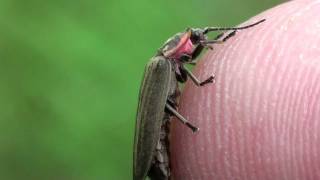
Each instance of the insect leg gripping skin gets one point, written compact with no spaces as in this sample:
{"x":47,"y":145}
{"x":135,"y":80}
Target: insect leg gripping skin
{"x":181,"y":118}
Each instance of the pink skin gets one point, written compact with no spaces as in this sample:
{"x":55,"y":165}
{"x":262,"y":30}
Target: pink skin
{"x":261,"y":118}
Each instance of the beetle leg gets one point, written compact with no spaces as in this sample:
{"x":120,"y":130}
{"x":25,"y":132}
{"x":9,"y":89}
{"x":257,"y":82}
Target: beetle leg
{"x":195,"y":79}
{"x":181,"y":118}
{"x":180,"y":74}
{"x":206,"y":42}
{"x":172,"y":103}
{"x":185,"y":58}
{"x":192,"y":62}
{"x":197,"y":51}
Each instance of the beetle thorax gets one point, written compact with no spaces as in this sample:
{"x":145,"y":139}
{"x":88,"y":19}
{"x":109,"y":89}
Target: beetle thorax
{"x":178,"y":45}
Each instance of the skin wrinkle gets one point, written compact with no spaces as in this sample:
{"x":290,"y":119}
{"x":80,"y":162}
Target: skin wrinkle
{"x":271,"y":76}
{"x":252,"y":72}
{"x":215,"y":141}
{"x":296,"y":116}
{"x":229,"y":48}
{"x":281,"y":103}
{"x":282,"y":136}
{"x":246,"y":151}
{"x":246,"y":88}
{"x":209,"y":125}
{"x":193,"y":146}
{"x":232,"y":51}
{"x":227,"y":161}
{"x":281,"y":50}
{"x":230,"y":139}
{"x":217,"y":116}
{"x":211,"y":112}
{"x":305,"y":116}
{"x":247,"y":116}
{"x":317,"y":114}
{"x":204,"y":122}
{"x":302,"y":144}
{"x":301,"y":147}
{"x":223,"y":133}
{"x":312,"y":141}
{"x":289,"y":106}
{"x":255,"y":92}
{"x":262,"y":38}
{"x":314,"y":91}
{"x":313,"y":150}
{"x":209,"y":140}
{"x":256,"y":100}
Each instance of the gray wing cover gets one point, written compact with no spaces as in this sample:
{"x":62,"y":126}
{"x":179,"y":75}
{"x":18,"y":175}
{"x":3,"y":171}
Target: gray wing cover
{"x":153,"y":95}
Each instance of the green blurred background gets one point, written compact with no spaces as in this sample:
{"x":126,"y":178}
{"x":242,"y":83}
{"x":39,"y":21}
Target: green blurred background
{"x":70,"y":73}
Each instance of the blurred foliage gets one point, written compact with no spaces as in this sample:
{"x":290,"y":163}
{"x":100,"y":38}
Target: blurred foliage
{"x":70,"y":73}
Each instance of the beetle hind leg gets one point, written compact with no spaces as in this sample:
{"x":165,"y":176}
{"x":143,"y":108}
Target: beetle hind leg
{"x":181,"y":118}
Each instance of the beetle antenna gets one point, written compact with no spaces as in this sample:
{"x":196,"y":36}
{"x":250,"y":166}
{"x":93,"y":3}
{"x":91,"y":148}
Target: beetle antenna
{"x":209,"y":29}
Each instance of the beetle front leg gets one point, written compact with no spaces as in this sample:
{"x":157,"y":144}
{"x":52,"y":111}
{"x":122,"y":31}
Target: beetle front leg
{"x":181,"y":118}
{"x":195,"y":79}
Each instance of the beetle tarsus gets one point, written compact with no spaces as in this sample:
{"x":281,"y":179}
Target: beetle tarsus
{"x":193,"y":128}
{"x":209,"y":80}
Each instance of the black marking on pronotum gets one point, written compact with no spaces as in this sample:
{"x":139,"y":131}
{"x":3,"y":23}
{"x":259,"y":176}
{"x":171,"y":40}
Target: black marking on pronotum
{"x":158,"y":98}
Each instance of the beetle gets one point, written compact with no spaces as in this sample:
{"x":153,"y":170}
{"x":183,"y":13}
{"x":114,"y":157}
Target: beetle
{"x":158,"y":98}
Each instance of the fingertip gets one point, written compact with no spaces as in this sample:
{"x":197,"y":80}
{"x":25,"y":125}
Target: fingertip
{"x":259,"y":119}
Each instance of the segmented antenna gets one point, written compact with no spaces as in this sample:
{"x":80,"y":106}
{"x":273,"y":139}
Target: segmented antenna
{"x":209,"y":29}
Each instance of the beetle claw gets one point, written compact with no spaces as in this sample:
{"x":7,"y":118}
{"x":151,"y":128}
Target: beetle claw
{"x":209,"y":80}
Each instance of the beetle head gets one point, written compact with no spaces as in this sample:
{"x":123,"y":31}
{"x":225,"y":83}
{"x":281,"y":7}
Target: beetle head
{"x":197,"y":35}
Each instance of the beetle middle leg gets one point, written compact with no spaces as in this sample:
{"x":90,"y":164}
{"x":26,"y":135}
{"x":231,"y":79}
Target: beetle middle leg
{"x":194,"y":79}
{"x":181,"y":118}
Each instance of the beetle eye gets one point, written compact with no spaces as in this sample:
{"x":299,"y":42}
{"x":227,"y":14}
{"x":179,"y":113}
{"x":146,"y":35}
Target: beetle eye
{"x":196,"y":36}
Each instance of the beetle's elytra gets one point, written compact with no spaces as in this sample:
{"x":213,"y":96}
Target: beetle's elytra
{"x":158,"y":98}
